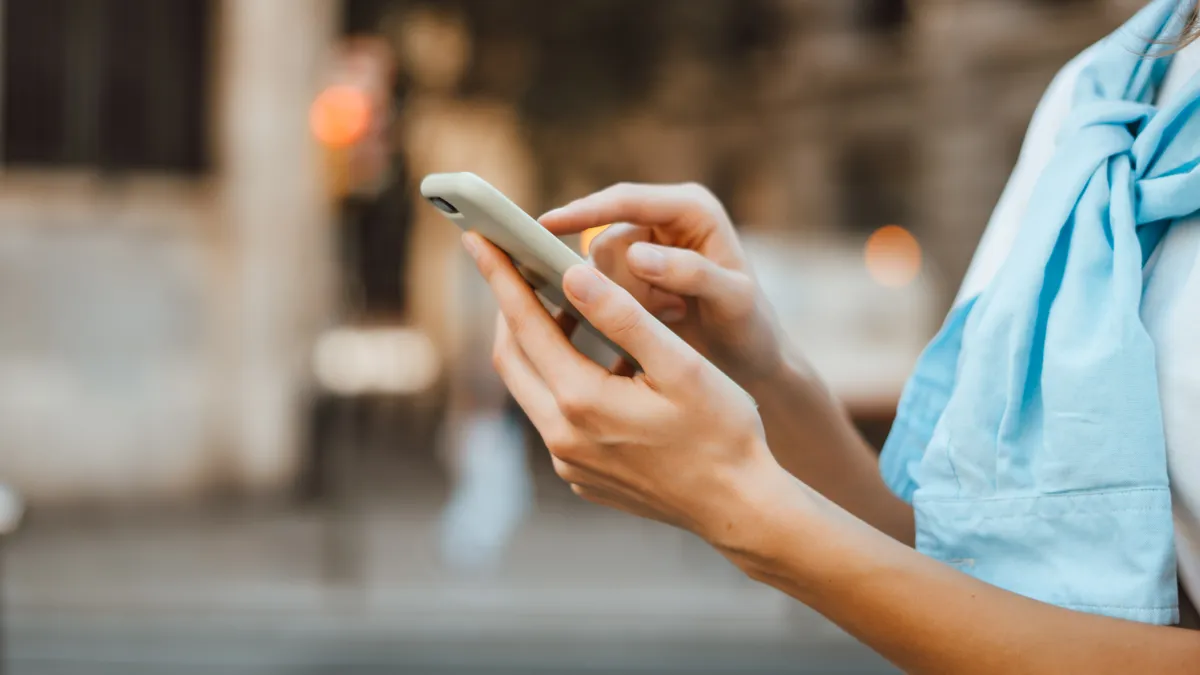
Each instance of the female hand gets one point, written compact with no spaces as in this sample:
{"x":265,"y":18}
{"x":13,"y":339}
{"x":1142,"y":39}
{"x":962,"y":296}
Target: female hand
{"x":674,"y":249}
{"x":680,"y":257}
{"x":679,"y":443}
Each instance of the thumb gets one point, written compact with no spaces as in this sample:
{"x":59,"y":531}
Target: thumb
{"x":663,"y":356}
{"x":688,"y":273}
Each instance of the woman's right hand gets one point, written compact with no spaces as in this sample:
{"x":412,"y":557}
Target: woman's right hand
{"x":674,"y":248}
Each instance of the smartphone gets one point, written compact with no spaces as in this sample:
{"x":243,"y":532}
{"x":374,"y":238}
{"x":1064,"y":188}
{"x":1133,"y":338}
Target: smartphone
{"x":542,"y":258}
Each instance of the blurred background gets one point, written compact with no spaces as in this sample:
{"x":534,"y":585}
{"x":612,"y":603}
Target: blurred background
{"x":247,"y":421}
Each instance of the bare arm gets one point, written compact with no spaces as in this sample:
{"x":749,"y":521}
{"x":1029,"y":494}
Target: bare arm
{"x":812,"y":437}
{"x":682,"y":444}
{"x":923,"y":615}
{"x":809,"y":539}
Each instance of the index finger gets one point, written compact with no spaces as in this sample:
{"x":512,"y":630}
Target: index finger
{"x":635,"y":203}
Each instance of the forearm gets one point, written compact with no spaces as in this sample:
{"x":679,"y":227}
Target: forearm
{"x":812,"y":437}
{"x":925,"y":616}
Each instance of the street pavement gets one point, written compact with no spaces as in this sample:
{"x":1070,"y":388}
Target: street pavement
{"x":282,"y":589}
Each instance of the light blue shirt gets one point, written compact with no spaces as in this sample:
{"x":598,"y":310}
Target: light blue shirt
{"x":1030,"y":437}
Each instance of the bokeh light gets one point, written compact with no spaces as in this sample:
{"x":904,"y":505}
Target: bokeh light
{"x":340,"y":116}
{"x":585,"y":239}
{"x":893,"y":256}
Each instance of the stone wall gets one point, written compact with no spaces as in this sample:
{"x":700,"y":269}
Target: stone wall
{"x":106,"y":376}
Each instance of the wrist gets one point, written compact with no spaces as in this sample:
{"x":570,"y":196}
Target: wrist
{"x":789,"y":374}
{"x":762,"y":504}
{"x":753,"y":352}
{"x":783,"y":533}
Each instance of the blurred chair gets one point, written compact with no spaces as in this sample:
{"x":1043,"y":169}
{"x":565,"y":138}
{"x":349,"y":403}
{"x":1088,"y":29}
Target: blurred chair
{"x":385,"y":360}
{"x":378,"y":382}
{"x":380,"y":387}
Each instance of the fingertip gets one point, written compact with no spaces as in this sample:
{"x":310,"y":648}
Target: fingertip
{"x":673,"y":313}
{"x":550,"y":216}
{"x":647,"y":258}
{"x":584,"y":284}
{"x":565,"y":220}
{"x":473,"y":243}
{"x":479,"y":249}
{"x":559,"y":213}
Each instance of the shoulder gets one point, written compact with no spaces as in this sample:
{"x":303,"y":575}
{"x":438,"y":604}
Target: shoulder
{"x":1171,"y":314}
{"x":1036,"y":151}
{"x":1171,"y":306}
{"x":1052,"y":111}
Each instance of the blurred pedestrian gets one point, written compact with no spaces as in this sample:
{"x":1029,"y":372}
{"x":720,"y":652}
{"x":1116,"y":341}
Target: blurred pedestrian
{"x":483,"y":445}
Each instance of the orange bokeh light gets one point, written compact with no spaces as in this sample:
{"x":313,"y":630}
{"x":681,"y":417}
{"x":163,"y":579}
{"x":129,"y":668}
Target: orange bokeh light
{"x":340,"y":116}
{"x":585,"y":239}
{"x":892,"y":256}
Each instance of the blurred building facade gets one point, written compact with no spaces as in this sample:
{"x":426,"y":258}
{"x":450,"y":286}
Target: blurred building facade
{"x":164,"y":244}
{"x":163,"y":283}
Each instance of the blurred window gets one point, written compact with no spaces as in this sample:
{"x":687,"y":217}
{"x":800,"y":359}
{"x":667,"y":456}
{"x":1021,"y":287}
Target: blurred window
{"x":117,"y":85}
{"x":874,"y":173}
{"x":882,"y":15}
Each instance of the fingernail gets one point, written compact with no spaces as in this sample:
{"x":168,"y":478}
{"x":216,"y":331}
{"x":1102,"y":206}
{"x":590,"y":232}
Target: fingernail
{"x":584,"y":283}
{"x":672,"y":314}
{"x":470,"y":243}
{"x":647,"y":258}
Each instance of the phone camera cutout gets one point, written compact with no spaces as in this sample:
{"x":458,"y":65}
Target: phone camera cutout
{"x":443,"y":205}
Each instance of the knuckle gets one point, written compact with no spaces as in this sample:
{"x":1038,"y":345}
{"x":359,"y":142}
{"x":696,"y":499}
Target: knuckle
{"x":743,"y":294}
{"x":518,"y":326}
{"x":626,"y":319}
{"x":702,"y":195}
{"x":622,"y":192}
{"x":587,"y":494}
{"x":502,"y":353}
{"x":622,"y":188}
{"x":741,"y":285}
{"x":707,"y":202}
{"x":498,"y":357}
{"x":692,"y":368}
{"x":693,"y":271}
{"x":738,"y":300}
{"x":697,"y":190}
{"x":576,"y":404}
{"x":603,"y":241}
{"x":604,"y":252}
{"x":562,"y":446}
{"x":565,"y":471}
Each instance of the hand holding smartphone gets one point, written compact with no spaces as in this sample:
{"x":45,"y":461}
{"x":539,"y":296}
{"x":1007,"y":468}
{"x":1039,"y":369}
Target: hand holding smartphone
{"x":475,"y":205}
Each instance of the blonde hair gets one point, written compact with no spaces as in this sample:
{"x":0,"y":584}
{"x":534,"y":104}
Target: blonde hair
{"x":1191,"y":30}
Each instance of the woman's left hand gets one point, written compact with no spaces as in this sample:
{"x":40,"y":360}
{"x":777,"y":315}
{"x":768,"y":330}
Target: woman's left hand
{"x":679,"y":443}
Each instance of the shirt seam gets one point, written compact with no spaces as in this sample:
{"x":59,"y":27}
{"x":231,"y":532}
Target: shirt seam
{"x":1125,"y":607}
{"x":1056,"y":495}
{"x":1043,"y":516}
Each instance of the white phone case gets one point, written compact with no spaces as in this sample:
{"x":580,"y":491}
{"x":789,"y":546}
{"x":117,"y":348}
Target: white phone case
{"x":476,"y":206}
